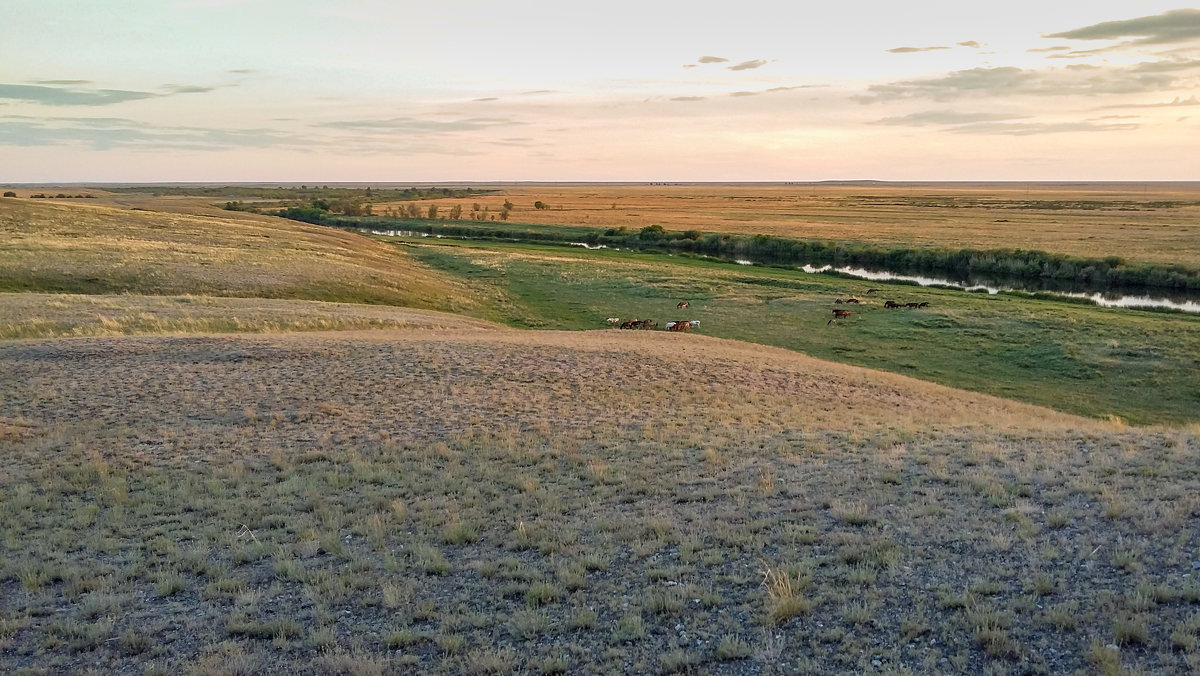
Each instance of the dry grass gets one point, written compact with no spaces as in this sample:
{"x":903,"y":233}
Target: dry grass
{"x":86,"y":248}
{"x":43,"y":315}
{"x":1089,"y":220}
{"x":488,"y":502}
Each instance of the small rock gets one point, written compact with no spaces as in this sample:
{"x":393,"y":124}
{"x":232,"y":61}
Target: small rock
{"x":876,"y":663}
{"x":1195,"y":565}
{"x":1113,"y":647}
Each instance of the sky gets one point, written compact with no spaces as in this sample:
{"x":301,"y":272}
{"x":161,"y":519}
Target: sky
{"x":473,"y":90}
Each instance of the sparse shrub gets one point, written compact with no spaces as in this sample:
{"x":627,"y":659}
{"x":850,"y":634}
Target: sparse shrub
{"x":628,"y":629}
{"x":584,"y":618}
{"x":733,"y":648}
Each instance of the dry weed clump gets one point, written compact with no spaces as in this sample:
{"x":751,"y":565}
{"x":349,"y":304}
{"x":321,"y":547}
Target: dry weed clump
{"x":434,"y":500}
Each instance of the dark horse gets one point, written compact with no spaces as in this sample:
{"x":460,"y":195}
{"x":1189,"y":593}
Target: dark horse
{"x":682,"y":304}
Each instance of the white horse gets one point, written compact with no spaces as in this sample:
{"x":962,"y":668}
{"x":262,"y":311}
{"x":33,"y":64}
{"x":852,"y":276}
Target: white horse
{"x":613,"y":320}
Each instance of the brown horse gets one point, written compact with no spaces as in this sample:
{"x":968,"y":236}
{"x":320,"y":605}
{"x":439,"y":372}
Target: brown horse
{"x":890,"y":304}
{"x":838,"y":314}
{"x":681,"y":305}
{"x":679,"y":326}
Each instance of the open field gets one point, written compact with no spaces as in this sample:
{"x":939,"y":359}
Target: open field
{"x":570,"y":502}
{"x":53,"y":315}
{"x":79,"y":247}
{"x":1141,"y":366}
{"x":1157,"y":223}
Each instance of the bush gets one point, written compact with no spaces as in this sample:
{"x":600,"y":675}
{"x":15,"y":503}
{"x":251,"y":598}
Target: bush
{"x":10,"y":194}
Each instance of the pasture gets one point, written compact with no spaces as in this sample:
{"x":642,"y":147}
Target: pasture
{"x":235,"y":444}
{"x":1137,"y":365}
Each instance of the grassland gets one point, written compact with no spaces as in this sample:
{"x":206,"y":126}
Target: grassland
{"x":387,"y":489}
{"x":1141,"y":366}
{"x":570,"y":502}
{"x":1157,"y":223}
{"x":54,"y":246}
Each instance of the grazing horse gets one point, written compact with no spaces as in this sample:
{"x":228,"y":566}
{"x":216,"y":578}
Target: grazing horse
{"x":629,"y":324}
{"x":923,"y":303}
{"x":838,"y":314}
{"x":647,"y":324}
{"x":679,"y":325}
{"x":912,"y":305}
{"x":891,"y":304}
{"x":871,"y":291}
{"x":681,"y":305}
{"x":613,"y":320}
{"x":853,"y":301}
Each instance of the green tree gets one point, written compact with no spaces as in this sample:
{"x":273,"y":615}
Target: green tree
{"x":652,"y":232}
{"x":432,"y":212}
{"x":456,"y":212}
{"x":10,"y":194}
{"x":539,"y":205}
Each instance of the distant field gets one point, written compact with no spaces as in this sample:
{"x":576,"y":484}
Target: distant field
{"x":1155,"y":223}
{"x":570,"y":502}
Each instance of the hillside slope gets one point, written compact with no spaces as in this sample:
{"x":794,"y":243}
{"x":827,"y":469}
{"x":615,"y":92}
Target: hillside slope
{"x":505,"y":501}
{"x":81,"y":248}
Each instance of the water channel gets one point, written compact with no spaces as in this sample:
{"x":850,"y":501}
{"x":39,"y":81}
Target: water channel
{"x":1182,"y":302}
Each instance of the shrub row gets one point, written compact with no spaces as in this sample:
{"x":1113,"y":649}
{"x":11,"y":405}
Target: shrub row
{"x":1111,"y":272}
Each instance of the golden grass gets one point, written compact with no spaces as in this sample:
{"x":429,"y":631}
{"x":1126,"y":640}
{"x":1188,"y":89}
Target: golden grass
{"x":1124,"y":220}
{"x":47,"y":245}
{"x":46,"y":315}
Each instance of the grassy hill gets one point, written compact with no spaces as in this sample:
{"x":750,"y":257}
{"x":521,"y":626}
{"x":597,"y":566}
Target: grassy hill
{"x":80,"y":248}
{"x":570,"y":502}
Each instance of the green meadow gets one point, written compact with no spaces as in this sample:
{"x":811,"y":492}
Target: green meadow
{"x":1140,"y":366}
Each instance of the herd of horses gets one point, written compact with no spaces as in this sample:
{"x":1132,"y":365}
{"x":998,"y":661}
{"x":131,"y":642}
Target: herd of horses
{"x":688,"y":324}
{"x":677,"y":325}
{"x":889,"y":304}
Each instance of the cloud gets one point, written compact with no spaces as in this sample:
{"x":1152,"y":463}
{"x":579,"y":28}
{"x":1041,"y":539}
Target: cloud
{"x":411,"y":125}
{"x":1177,"y":25}
{"x":69,"y":93}
{"x":712,"y":59}
{"x":188,"y":89}
{"x":945,"y":117}
{"x":744,"y":94}
{"x":1056,"y":48}
{"x":487,"y":98}
{"x":56,"y":96}
{"x":537,"y":92}
{"x":1176,"y":103}
{"x":748,"y":65}
{"x":1002,"y":124}
{"x":1033,"y":128}
{"x":688,"y":98}
{"x":1166,"y":66}
{"x":910,"y":50}
{"x":110,"y":133}
{"x":1010,"y":81}
{"x":969,"y":43}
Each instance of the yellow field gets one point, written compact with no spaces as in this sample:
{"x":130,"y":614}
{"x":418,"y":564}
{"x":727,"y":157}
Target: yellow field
{"x":184,"y":248}
{"x":1158,"y":223}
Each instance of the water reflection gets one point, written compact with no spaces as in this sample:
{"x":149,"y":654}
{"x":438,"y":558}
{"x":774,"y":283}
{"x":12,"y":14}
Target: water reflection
{"x":1104,"y":299}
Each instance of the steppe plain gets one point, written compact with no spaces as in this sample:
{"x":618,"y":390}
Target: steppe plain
{"x":236,"y":444}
